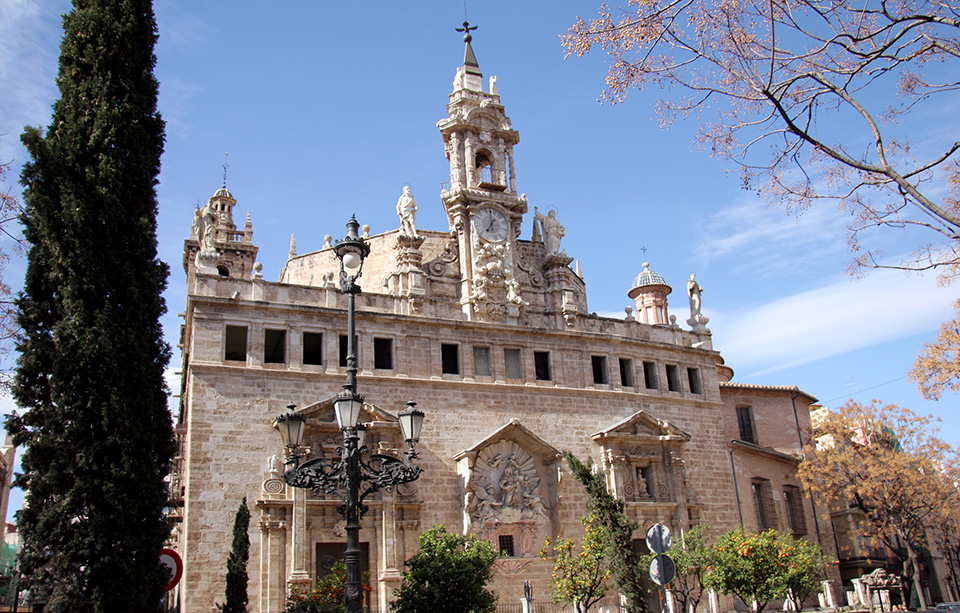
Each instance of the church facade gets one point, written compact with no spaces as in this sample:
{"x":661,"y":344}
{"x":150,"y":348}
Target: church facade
{"x":490,"y":334}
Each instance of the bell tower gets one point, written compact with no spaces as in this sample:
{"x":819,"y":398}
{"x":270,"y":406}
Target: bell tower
{"x":483,"y":207}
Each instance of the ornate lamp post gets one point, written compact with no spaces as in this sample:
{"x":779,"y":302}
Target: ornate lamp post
{"x":342,"y":477}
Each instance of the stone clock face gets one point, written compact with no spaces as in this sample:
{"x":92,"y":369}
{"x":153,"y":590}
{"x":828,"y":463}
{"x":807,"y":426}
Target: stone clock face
{"x":491,"y":224}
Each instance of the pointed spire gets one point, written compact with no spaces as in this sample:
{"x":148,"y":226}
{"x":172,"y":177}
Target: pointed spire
{"x":293,"y":247}
{"x":473,"y":78}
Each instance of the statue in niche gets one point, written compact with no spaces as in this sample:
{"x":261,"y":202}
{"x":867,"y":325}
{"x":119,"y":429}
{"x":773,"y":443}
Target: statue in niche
{"x":505,"y":486}
{"x":407,"y":210}
{"x":552,"y":230}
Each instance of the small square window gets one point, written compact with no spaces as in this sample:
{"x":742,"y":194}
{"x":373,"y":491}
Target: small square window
{"x":599,"y":369}
{"x":673,"y":377}
{"x":626,"y":372}
{"x":481,"y":362}
{"x":541,"y":363}
{"x":450,"y":359}
{"x":383,"y":353}
{"x":505,"y":543}
{"x":693,"y":378}
{"x":274,"y":346}
{"x":650,"y":375}
{"x":312,"y":348}
{"x":235,"y":344}
{"x":511,"y":360}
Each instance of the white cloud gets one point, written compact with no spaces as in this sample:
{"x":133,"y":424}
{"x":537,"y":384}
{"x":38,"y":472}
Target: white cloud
{"x":831,"y":320}
{"x":750,"y":235}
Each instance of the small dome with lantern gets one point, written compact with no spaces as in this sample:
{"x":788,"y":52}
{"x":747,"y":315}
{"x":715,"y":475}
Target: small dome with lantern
{"x":649,"y":293}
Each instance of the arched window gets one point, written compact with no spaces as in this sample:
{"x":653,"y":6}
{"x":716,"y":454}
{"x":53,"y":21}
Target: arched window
{"x":484,"y":168}
{"x":222,"y":271}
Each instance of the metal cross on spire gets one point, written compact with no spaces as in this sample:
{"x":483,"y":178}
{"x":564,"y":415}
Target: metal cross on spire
{"x":225,"y":166}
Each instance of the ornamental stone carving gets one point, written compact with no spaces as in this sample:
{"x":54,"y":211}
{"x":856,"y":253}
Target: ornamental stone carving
{"x":505,"y":486}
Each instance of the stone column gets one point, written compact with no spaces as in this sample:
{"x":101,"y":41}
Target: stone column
{"x":390,"y":563}
{"x":468,"y":163}
{"x":273,"y":564}
{"x":513,"y":174}
{"x":299,"y":573}
{"x":456,"y":162}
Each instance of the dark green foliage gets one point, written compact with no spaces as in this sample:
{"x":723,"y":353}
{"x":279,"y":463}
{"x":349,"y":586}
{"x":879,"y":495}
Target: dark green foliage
{"x":628,"y":573}
{"x":237,"y":563}
{"x":448,"y":574}
{"x":98,"y":435}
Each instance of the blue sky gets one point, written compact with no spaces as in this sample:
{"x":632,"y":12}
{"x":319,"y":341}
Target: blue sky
{"x":327,"y":110}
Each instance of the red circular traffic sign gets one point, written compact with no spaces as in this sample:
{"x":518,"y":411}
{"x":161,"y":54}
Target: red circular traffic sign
{"x":172,"y":560}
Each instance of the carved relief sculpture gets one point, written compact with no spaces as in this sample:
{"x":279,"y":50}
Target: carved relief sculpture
{"x":505,"y":486}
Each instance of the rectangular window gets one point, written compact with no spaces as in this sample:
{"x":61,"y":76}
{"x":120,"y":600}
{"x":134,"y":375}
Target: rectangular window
{"x":599,"y":369}
{"x":793,"y":507}
{"x":312,"y":348}
{"x":511,"y":361}
{"x":450,"y":359}
{"x":626,"y":372}
{"x":745,"y":424}
{"x":541,"y":363}
{"x":650,"y":375}
{"x":505,"y":542}
{"x":693,"y":378}
{"x":235,"y":344}
{"x":274,"y":346}
{"x":673,"y":378}
{"x":763,"y":503}
{"x":481,"y":362}
{"x":383,"y":353}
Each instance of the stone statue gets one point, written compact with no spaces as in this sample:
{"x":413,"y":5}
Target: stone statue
{"x":407,"y":210}
{"x":276,"y":465}
{"x":552,"y":230}
{"x":205,"y":228}
{"x":694,"y":290}
{"x":697,"y":319}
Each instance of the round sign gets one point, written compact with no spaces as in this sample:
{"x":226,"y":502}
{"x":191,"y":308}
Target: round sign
{"x":172,"y":560}
{"x":663,"y":569}
{"x":659,"y":538}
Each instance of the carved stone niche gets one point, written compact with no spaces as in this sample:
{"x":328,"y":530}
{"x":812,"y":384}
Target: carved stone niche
{"x":508,"y":485}
{"x":642,"y":457}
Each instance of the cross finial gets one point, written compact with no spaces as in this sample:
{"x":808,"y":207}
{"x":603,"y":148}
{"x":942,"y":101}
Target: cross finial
{"x":225,"y":166}
{"x":467,"y":29}
{"x":644,"y":250}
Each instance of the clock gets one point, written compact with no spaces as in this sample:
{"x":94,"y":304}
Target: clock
{"x":491,"y":224}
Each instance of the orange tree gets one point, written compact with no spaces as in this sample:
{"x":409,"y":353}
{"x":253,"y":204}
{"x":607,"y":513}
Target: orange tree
{"x":758,"y":567}
{"x":580,"y":574}
{"x":887,"y":462}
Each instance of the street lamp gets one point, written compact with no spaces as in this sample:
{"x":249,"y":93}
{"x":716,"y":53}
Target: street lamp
{"x":343,"y":477}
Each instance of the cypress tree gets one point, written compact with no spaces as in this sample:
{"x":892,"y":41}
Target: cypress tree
{"x":237,"y":563}
{"x":97,"y":432}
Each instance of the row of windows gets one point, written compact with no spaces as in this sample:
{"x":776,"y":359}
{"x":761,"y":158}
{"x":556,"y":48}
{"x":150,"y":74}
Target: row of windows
{"x":275,"y":342}
{"x":765,"y":507}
